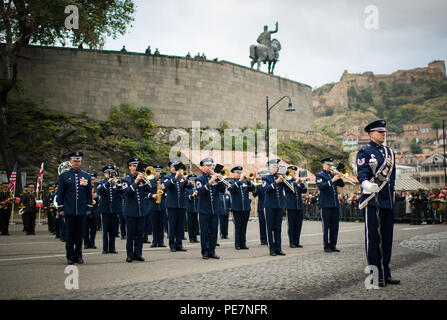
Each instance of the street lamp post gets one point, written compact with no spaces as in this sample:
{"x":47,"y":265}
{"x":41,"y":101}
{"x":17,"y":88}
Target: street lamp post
{"x":289,"y":108}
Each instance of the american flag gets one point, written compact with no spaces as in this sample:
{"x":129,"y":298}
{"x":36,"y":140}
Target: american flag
{"x":39,"y":181}
{"x":12,"y":179}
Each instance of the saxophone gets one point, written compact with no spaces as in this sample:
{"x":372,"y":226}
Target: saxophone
{"x":159,"y":192}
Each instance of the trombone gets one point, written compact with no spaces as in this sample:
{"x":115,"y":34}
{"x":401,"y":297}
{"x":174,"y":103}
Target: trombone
{"x":287,"y":177}
{"x":344,"y":173}
{"x":223,"y":175}
{"x":148,"y":174}
{"x":251,"y":178}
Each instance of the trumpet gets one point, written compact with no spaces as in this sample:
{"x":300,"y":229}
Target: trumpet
{"x":184,"y":173}
{"x":344,"y":173}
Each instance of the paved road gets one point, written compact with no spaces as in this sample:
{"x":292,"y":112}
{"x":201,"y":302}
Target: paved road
{"x":32,"y":267}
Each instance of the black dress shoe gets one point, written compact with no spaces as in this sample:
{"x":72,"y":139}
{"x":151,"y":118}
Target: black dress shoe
{"x":154,"y":245}
{"x":86,"y":247}
{"x":280,"y":253}
{"x":104,"y":252}
{"x":273,"y":254}
{"x":123,"y":237}
{"x":238,"y":248}
{"x":263,"y":243}
{"x":205,"y":257}
{"x":128,"y":259}
{"x":244,"y":247}
{"x":292,"y":246}
{"x":139,"y":258}
{"x":173,"y":249}
{"x":162,"y":245}
{"x":94,"y":247}
{"x":217,"y":244}
{"x":392,"y":281}
{"x":181,"y":249}
{"x":113,"y":251}
{"x":80,"y":261}
{"x":70,"y":261}
{"x":335,"y":250}
{"x":299,"y":246}
{"x":214,"y":256}
{"x":327,"y":250}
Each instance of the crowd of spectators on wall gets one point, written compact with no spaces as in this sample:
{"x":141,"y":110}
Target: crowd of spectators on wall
{"x":414,"y":208}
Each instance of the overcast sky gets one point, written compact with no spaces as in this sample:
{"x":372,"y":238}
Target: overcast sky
{"x":320,"y":39}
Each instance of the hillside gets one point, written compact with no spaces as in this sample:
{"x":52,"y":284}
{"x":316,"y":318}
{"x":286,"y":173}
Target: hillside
{"x":420,"y":100}
{"x":38,"y":134}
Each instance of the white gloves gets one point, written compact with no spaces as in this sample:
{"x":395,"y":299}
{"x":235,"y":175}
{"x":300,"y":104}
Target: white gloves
{"x":369,"y":187}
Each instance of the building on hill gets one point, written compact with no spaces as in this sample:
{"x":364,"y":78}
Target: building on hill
{"x":431,"y":172}
{"x":419,"y":131}
{"x":410,"y":159}
{"x":349,"y":141}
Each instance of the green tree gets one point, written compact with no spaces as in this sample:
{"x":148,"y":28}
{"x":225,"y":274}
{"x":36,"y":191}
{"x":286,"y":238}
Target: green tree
{"x":25,"y":22}
{"x":415,"y":148}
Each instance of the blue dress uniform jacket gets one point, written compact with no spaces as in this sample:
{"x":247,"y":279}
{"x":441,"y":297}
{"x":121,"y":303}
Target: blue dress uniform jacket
{"x":260,"y":193}
{"x":274,"y":193}
{"x":153,"y":190}
{"x":209,"y":195}
{"x":74,"y":193}
{"x":135,"y":203}
{"x":386,"y":195}
{"x":240,"y":200}
{"x":191,"y":201}
{"x":328,"y":189}
{"x":111,"y":197}
{"x":294,"y":201}
{"x":226,"y":204}
{"x":175,"y":189}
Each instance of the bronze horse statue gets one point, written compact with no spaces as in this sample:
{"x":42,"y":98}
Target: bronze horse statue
{"x":261,"y":53}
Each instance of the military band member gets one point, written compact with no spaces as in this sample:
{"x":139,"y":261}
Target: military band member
{"x":260,"y":193}
{"x":5,"y":210}
{"x":110,"y":207}
{"x":295,"y":209}
{"x":58,"y":219}
{"x":46,"y":198}
{"x":135,"y":209}
{"x":175,"y":186}
{"x":240,"y":189}
{"x":28,"y":200}
{"x":329,"y":204}
{"x":74,"y":201}
{"x":91,"y":221}
{"x":224,"y":216}
{"x":157,"y":211}
{"x":274,"y":204}
{"x":379,"y":210}
{"x":209,"y":186}
{"x":192,"y":210}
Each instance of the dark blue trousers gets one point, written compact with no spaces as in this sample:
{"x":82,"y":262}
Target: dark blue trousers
{"x":109,"y":222}
{"x":377,"y":254}
{"x":330,"y":218}
{"x":91,"y":225}
{"x":193,"y":225}
{"x":57,"y":227}
{"x":75,"y":227}
{"x":273,"y":219}
{"x":134,"y":238}
{"x":223,"y":222}
{"x":158,"y":221}
{"x":121,"y":225}
{"x":295,"y":223}
{"x":63,"y":229}
{"x":176,"y":231}
{"x":240,"y":219}
{"x":147,"y":225}
{"x":262,"y":227}
{"x":208,"y":233}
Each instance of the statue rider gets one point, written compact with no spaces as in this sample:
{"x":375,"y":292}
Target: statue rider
{"x":265,"y":37}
